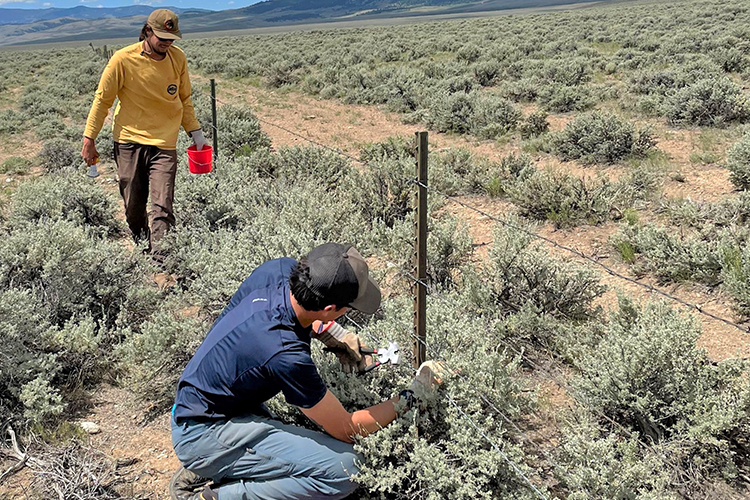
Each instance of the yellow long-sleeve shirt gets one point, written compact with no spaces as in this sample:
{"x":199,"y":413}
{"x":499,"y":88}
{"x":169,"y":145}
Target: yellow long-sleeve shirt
{"x":154,"y":98}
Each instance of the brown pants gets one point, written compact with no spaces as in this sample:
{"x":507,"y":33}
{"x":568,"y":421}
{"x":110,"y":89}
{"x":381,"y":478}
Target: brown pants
{"x":143,"y":170}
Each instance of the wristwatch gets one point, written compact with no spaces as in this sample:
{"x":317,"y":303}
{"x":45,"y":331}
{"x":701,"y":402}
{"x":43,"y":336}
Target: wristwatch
{"x":407,"y":395}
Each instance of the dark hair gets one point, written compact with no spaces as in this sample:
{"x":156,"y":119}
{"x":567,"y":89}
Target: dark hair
{"x":144,"y":32}
{"x":299,"y":280}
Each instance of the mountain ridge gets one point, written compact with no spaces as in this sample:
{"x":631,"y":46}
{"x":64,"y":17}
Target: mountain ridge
{"x":268,"y":14}
{"x":80,"y":12}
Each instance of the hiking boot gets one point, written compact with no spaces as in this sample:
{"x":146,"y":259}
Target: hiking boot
{"x":185,"y":485}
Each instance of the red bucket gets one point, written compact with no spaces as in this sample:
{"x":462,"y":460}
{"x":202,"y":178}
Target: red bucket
{"x":200,"y":162}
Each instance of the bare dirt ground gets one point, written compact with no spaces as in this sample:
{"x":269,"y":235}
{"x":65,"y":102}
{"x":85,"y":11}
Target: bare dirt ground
{"x":347,"y":127}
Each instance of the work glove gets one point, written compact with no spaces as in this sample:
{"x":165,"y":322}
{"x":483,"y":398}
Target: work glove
{"x":346,"y":345}
{"x":429,"y":375}
{"x":198,"y":139}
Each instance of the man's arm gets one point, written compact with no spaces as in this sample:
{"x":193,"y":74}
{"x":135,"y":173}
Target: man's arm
{"x":339,"y":423}
{"x":342,"y":425}
{"x":109,"y":86}
{"x":189,"y":121}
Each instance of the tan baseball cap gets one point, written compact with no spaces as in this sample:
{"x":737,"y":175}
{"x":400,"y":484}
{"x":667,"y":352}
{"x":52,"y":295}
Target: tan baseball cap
{"x":164,"y":24}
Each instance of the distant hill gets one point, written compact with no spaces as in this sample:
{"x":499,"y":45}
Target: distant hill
{"x":84,"y":23}
{"x":28,"y":16}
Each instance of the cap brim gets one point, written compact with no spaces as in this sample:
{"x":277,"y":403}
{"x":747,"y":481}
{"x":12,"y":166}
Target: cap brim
{"x":369,"y":301}
{"x":174,"y":35}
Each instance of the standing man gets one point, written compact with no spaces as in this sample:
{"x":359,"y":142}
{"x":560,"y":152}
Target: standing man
{"x":259,"y":347}
{"x":151,"y":80}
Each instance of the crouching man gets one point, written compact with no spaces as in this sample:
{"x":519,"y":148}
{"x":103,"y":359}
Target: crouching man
{"x":260,"y":346}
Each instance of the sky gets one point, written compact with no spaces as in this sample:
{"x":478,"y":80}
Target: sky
{"x":203,"y":4}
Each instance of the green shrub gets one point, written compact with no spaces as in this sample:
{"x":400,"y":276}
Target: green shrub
{"x":59,"y":154}
{"x":534,"y":125}
{"x":738,"y":162}
{"x":648,"y":374}
{"x":601,"y":137}
{"x":66,"y":196}
{"x":15,"y":165}
{"x":522,"y":274}
{"x":670,"y":257}
{"x":708,"y":102}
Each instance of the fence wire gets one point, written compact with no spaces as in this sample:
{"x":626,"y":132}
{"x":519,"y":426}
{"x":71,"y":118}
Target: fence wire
{"x":607,"y":269}
{"x":561,"y":383}
{"x":478,"y":428}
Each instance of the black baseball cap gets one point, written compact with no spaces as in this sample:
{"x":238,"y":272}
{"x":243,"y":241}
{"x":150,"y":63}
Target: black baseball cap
{"x":339,"y":274}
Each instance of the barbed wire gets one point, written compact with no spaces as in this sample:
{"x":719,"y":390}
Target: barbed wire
{"x":481,"y":432}
{"x":559,"y":382}
{"x":292,"y":132}
{"x":562,"y":384}
{"x":609,"y":270}
{"x":578,"y":253}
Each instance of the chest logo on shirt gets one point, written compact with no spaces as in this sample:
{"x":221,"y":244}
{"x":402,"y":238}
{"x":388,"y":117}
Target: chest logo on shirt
{"x":172,"y":89}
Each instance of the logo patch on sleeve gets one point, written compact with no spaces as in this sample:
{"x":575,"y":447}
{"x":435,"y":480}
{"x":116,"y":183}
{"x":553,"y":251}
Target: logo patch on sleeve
{"x":172,"y":89}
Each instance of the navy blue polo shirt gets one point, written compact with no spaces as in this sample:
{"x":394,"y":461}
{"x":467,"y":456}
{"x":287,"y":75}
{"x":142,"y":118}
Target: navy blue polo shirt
{"x":255,"y":349}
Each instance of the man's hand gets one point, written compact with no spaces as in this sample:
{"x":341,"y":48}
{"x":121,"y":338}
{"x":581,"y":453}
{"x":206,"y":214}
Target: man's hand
{"x":346,"y":345}
{"x":430,"y":375}
{"x":198,"y":139}
{"x":88,"y":152}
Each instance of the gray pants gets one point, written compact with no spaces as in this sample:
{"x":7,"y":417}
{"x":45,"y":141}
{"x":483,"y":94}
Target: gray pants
{"x":145,"y":170}
{"x":257,"y":458}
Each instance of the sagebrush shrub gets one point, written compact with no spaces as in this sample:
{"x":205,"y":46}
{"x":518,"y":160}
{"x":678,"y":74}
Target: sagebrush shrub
{"x":521,"y":273}
{"x":458,"y":171}
{"x":404,"y":459}
{"x":239,"y":127}
{"x":669,"y":256}
{"x":59,"y":154}
{"x":649,"y":375}
{"x":451,"y":113}
{"x":155,"y":352}
{"x":562,"y":99}
{"x":15,"y":165}
{"x":708,"y":102}
{"x":66,"y":196}
{"x":596,"y":464}
{"x":601,"y":137}
{"x":535,"y":124}
{"x":74,"y":270}
{"x":493,"y":117}
{"x":738,"y":162}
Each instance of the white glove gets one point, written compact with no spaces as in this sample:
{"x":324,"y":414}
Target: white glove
{"x":198,"y":139}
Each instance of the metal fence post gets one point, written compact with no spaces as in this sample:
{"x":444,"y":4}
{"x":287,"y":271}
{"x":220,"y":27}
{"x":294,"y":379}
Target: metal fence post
{"x":420,"y":253}
{"x":213,"y":119}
